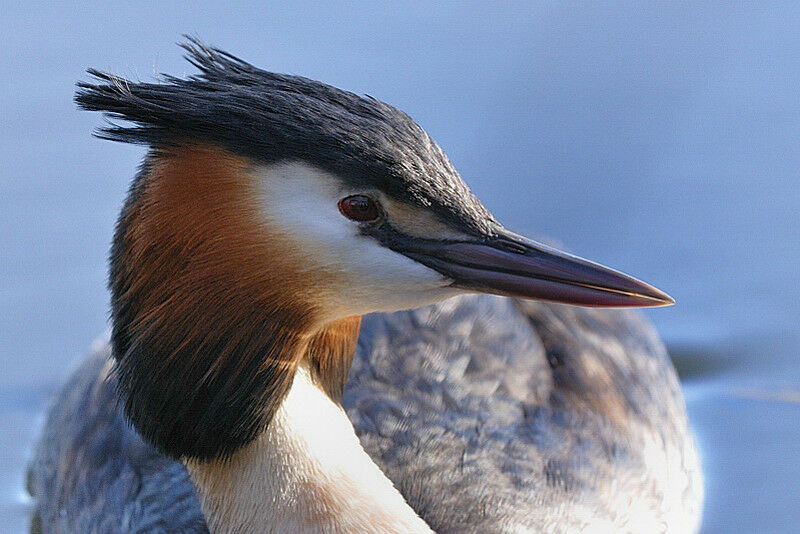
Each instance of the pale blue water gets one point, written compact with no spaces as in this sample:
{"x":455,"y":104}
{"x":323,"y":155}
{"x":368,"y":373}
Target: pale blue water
{"x":661,"y":140}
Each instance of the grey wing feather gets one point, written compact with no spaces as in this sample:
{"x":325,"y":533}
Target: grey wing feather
{"x":489,"y":415}
{"x":92,"y":473}
{"x":498,"y":415}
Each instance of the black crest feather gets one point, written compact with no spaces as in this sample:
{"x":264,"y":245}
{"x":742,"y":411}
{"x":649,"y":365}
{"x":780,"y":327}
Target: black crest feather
{"x":271,"y":117}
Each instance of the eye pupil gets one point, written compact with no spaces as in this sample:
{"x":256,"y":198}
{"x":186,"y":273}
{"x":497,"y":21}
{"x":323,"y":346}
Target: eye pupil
{"x":359,"y":208}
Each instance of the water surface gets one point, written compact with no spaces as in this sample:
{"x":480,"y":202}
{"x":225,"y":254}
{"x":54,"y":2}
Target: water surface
{"x":661,"y":140}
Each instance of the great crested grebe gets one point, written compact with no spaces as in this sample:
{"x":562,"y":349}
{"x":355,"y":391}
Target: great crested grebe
{"x":270,"y":214}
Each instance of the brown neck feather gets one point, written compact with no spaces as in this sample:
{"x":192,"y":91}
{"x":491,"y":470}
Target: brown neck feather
{"x":330,"y":355}
{"x":212,"y":312}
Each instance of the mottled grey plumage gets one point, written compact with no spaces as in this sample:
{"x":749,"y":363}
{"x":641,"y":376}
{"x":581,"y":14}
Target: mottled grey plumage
{"x":489,"y":414}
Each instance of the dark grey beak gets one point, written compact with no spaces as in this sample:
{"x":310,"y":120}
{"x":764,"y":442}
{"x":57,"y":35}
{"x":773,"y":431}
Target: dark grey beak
{"x":512,"y":265}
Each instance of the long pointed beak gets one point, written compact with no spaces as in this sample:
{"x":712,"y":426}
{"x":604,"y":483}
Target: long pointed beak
{"x":513,"y":265}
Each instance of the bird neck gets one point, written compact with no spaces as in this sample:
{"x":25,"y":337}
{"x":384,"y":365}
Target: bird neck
{"x":225,"y":359}
{"x":307,"y":472}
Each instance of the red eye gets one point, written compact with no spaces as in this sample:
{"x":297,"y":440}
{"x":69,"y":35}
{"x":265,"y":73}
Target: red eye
{"x":359,"y":208}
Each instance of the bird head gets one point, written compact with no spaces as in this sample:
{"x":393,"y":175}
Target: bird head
{"x":271,"y":207}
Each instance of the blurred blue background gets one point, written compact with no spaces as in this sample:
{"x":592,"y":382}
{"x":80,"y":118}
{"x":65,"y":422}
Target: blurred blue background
{"x":656,"y":138}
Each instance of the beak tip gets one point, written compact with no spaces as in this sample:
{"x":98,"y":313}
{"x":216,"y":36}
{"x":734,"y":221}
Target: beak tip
{"x":658,"y":298}
{"x":669,"y":301}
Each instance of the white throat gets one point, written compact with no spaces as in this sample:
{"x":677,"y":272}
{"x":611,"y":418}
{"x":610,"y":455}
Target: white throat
{"x":306,"y":473}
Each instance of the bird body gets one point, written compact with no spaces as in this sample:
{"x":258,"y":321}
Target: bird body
{"x":482,"y":410}
{"x":242,"y":390}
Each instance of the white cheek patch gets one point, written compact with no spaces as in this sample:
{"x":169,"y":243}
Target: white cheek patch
{"x":300,"y":202}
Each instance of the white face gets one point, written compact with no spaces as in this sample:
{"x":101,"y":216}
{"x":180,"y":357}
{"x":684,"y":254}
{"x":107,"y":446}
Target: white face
{"x":301,"y":202}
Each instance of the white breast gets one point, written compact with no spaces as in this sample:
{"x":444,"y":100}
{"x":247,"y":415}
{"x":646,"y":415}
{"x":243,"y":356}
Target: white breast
{"x":306,"y":473}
